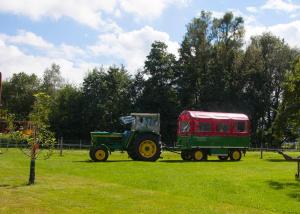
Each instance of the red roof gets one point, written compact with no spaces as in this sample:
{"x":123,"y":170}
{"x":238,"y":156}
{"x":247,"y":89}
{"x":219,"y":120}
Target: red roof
{"x":216,"y":115}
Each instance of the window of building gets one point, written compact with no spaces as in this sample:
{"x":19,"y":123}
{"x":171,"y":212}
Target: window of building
{"x":204,"y":127}
{"x":222,"y":127}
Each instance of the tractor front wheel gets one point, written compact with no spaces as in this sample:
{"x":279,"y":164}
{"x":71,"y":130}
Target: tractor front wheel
{"x":148,"y":147}
{"x":99,"y":153}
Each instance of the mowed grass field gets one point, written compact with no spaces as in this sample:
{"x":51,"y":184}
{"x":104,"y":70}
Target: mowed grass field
{"x":73,"y":184}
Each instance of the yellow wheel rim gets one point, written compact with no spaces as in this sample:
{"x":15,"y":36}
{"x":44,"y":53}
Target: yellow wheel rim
{"x":236,"y":155}
{"x":100,"y":154}
{"x":198,"y":155}
{"x":147,"y":148}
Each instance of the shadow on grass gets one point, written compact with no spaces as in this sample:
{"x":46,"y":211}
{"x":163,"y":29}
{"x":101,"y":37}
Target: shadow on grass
{"x":108,"y":161}
{"x":183,"y":161}
{"x":8,"y":186}
{"x":277,"y":160}
{"x":293,"y":188}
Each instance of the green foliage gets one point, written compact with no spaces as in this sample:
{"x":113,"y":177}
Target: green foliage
{"x":52,"y":80}
{"x":210,"y":57}
{"x":41,"y":109}
{"x":39,"y":117}
{"x":287,"y":123}
{"x":66,"y":113}
{"x":106,"y":97}
{"x":158,"y":94}
{"x":7,"y":118}
{"x":18,"y":94}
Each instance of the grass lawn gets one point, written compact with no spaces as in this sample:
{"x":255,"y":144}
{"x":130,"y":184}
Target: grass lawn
{"x":73,"y":184}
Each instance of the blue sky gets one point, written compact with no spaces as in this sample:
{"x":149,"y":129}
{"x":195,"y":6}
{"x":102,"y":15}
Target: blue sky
{"x":81,"y":34}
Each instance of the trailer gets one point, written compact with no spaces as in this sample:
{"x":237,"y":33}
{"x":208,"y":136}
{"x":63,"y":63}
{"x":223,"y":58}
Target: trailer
{"x":201,"y":134}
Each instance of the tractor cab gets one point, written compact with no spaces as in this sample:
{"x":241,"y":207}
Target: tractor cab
{"x":144,"y":122}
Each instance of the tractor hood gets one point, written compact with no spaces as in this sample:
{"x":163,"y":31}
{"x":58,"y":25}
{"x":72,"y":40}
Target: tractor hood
{"x":105,"y":134}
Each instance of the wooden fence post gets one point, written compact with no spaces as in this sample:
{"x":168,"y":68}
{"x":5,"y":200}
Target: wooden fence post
{"x":61,"y":145}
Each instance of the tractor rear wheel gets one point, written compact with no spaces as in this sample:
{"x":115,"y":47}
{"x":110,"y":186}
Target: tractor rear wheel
{"x":186,"y":155}
{"x":235,"y":155}
{"x":147,"y":147}
{"x":132,"y":154}
{"x":99,"y":153}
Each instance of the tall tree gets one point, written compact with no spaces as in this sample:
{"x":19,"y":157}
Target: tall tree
{"x":287,"y":124}
{"x":52,"y":79}
{"x":210,"y":57}
{"x":42,"y":137}
{"x":266,"y":62}
{"x":159,"y":94}
{"x":194,"y":61}
{"x":106,"y":97}
{"x":227,"y":56}
{"x":18,"y":94}
{"x":66,"y":113}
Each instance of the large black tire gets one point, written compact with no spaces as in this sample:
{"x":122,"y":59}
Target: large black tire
{"x":186,"y":155}
{"x":131,"y":153}
{"x":147,"y":147}
{"x":235,"y":155}
{"x":99,"y":153}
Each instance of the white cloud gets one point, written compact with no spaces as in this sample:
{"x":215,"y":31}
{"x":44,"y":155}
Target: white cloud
{"x":132,"y":47}
{"x":27,"y":38}
{"x":281,"y":5}
{"x":129,"y":47}
{"x":252,"y":9}
{"x":88,"y":12}
{"x":14,"y":60}
{"x":149,"y":9}
{"x":290,"y":32}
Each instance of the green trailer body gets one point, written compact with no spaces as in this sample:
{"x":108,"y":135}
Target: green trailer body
{"x":211,"y":133}
{"x":215,"y":145}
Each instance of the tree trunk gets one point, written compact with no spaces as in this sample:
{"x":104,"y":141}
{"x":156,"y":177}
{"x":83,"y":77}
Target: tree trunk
{"x":34,"y":149}
{"x":32,"y":172}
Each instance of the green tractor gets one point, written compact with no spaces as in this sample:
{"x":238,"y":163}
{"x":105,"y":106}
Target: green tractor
{"x":142,"y":142}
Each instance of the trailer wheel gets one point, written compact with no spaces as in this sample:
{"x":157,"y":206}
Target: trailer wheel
{"x":222,"y":157}
{"x":99,"y":153}
{"x":148,"y":147}
{"x":235,"y":155}
{"x":186,"y":155}
{"x":199,"y":155}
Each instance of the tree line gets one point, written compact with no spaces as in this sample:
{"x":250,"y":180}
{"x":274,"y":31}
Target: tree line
{"x":215,"y":71}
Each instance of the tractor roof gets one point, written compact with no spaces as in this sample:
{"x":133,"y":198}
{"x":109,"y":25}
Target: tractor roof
{"x":215,"y":115}
{"x":145,"y":114}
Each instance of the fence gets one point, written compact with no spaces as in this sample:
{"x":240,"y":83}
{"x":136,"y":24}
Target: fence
{"x":61,"y":144}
